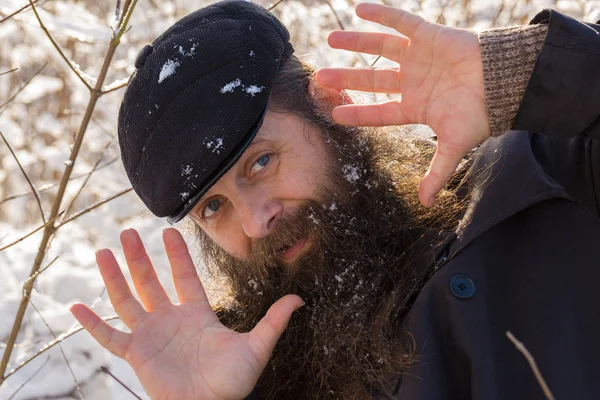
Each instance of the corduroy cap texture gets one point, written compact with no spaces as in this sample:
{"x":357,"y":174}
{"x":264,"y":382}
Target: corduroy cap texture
{"x":196,"y":101}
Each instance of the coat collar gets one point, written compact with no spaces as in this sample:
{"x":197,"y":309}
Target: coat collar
{"x":505,"y":178}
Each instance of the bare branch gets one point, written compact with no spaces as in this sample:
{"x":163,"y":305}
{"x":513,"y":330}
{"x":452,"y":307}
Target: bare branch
{"x":538,"y":375}
{"x":9,"y":16}
{"x":33,"y":190}
{"x":8,"y":72}
{"x":57,"y":47}
{"x":107,"y":371}
{"x":49,"y":230}
{"x":94,"y":206}
{"x":50,"y":345}
{"x":375,"y":62}
{"x":87,"y":178}
{"x":30,"y":233}
{"x":47,"y":187}
{"x":22,"y":87}
{"x":60,"y":347}
{"x":37,"y":371}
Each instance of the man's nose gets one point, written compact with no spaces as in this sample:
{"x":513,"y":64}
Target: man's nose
{"x":259,"y":215}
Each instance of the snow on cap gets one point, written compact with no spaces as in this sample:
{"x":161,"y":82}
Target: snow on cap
{"x":196,"y":101}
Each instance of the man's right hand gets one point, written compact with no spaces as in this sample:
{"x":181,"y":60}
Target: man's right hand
{"x":180,"y":351}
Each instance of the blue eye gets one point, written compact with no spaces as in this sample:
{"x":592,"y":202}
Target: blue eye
{"x":211,"y":208}
{"x":260,"y":163}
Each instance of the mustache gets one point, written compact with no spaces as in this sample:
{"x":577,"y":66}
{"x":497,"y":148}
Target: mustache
{"x":304,"y":222}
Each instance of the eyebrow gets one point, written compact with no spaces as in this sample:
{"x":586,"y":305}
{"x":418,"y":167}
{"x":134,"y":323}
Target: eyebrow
{"x":255,"y":142}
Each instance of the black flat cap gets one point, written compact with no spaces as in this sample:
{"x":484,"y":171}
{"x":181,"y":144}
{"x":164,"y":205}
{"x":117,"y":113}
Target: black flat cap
{"x":196,"y":101}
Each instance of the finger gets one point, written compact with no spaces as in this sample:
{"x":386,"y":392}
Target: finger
{"x":367,"y":79}
{"x":442,"y":167}
{"x":125,"y":304}
{"x":382,"y":114}
{"x":400,"y":20}
{"x":111,"y":339}
{"x":263,"y":338}
{"x":185,"y":277}
{"x":386,"y":45}
{"x":146,"y":282}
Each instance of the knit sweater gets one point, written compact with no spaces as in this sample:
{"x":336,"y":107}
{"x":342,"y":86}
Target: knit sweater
{"x":508,"y":56}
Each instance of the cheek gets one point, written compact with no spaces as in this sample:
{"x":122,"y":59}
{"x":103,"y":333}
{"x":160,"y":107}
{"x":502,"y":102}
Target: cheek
{"x":231,"y":239}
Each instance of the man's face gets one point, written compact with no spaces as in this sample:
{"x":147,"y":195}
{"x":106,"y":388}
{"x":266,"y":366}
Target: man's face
{"x":338,"y":196}
{"x":278,"y":173}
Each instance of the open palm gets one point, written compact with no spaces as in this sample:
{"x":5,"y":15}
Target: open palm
{"x":440,"y":79}
{"x":180,"y":351}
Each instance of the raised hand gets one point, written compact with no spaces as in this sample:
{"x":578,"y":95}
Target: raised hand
{"x":180,"y":351}
{"x":440,"y":80}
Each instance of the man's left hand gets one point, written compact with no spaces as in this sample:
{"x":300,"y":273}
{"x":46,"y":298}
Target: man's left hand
{"x":440,"y":79}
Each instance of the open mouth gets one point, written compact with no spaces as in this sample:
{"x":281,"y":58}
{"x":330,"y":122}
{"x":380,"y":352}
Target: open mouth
{"x":290,"y":251}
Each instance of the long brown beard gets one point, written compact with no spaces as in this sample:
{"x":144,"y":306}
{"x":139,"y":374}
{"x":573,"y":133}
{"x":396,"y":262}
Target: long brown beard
{"x":371,"y":259}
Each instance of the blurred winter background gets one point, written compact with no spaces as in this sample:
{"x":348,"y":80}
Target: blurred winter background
{"x":42,"y":104}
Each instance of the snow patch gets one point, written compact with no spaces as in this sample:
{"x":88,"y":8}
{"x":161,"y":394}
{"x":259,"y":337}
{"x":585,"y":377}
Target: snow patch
{"x":215,"y":145}
{"x":253,"y":89}
{"x":187,"y":170}
{"x":168,"y":69}
{"x":351,"y":173}
{"x":252,"y":283}
{"x":231,"y":85}
{"x":190,"y":53}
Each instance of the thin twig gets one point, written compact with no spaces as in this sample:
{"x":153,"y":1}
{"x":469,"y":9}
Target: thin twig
{"x":94,"y":206}
{"x":49,"y":230}
{"x":538,"y":375}
{"x":335,"y":14}
{"x":50,"y":345}
{"x":374,"y":62}
{"x":41,"y":271}
{"x":22,"y":87}
{"x":106,"y":371}
{"x":275,"y":5}
{"x":33,"y":190}
{"x":30,"y":233}
{"x":37,"y":371}
{"x":47,"y":187}
{"x":8,"y":72}
{"x":58,"y":49}
{"x":9,"y":16}
{"x":116,"y":85}
{"x":341,"y":25}
{"x":87,"y":178}
{"x":61,"y":349}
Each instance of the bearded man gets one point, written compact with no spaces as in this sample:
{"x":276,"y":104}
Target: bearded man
{"x":223,"y":124}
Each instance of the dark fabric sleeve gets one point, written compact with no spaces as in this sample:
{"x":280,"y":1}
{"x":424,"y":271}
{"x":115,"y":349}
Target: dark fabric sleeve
{"x":562,"y":98}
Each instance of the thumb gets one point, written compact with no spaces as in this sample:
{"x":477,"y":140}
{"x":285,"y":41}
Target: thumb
{"x":266,"y":333}
{"x":442,"y":167}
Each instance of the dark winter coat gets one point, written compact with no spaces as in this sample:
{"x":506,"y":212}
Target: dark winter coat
{"x":527,"y":258}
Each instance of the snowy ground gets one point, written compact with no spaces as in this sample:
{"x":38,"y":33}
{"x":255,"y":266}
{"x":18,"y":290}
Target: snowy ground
{"x":40,"y":123}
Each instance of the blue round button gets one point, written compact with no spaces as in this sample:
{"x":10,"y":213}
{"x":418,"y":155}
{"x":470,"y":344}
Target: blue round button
{"x":462,"y":286}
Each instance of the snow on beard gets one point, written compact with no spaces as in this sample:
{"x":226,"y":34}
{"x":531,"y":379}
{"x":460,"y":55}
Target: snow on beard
{"x":343,"y":340}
